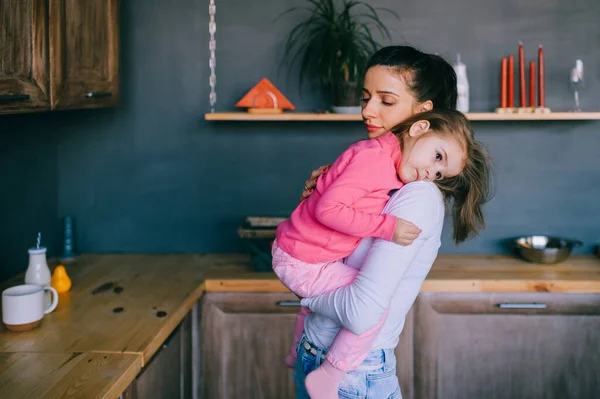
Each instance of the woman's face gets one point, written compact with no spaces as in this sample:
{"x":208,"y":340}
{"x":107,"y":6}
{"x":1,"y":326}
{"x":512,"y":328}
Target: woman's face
{"x":387,"y":101}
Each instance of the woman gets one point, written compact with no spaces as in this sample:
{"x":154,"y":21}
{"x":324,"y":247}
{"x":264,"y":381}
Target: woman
{"x":400,"y":82}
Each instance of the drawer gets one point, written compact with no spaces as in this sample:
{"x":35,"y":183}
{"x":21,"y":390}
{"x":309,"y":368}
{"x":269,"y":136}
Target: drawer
{"x":248,"y":302}
{"x":512,"y":303}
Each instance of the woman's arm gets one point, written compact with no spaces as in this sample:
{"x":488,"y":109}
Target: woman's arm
{"x":360,"y":306}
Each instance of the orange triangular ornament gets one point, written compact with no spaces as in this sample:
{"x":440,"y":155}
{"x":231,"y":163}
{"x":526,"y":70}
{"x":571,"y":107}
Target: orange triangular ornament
{"x":265,"y":95}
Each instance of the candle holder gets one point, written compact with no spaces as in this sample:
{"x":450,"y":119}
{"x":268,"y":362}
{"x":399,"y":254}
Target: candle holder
{"x":505,"y":110}
{"x":541,"y":110}
{"x":523,"y":110}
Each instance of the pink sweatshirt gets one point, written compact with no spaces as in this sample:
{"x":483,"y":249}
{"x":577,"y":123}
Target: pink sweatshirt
{"x":346,"y":205}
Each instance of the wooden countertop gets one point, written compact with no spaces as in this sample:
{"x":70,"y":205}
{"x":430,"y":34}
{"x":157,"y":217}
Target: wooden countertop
{"x":62,"y":375}
{"x":457,"y":273}
{"x":125,"y":306}
{"x":120,"y":303}
{"x":119,"y":311}
{"x":131,"y":303}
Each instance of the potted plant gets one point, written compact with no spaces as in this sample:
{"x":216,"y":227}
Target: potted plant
{"x":333,"y":45}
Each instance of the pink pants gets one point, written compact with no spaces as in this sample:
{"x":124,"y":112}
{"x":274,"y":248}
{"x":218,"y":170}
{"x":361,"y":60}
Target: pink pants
{"x":309,"y":279}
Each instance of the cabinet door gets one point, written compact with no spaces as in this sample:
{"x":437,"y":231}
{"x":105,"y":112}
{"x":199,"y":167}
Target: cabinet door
{"x":168,"y":374}
{"x":23,"y":56}
{"x":537,"y":345}
{"x":84,"y":53}
{"x":186,"y":356}
{"x":161,"y":377}
{"x":244,"y":339}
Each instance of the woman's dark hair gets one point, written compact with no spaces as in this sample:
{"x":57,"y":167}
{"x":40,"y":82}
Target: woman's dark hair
{"x":428,"y":76}
{"x":470,"y":189}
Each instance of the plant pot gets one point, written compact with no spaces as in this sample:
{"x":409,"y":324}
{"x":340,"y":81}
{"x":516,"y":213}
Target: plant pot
{"x":347,"y":98}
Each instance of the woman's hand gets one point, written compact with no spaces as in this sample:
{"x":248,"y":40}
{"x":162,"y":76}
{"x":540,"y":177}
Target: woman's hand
{"x":311,"y":183}
{"x":405,"y":232}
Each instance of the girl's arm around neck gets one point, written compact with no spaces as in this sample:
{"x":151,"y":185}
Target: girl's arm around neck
{"x":366,"y":172}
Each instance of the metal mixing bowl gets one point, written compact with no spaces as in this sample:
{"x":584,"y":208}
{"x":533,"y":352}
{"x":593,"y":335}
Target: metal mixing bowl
{"x":544,"y":249}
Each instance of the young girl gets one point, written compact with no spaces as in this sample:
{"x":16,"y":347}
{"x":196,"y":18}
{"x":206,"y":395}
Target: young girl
{"x":326,"y":227}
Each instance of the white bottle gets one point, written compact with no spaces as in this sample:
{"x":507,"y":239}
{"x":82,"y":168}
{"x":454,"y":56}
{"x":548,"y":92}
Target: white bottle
{"x":462,"y":85}
{"x":38,"y":271}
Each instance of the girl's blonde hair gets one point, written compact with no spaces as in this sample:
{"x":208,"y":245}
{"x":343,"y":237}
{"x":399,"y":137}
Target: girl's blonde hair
{"x":470,"y":189}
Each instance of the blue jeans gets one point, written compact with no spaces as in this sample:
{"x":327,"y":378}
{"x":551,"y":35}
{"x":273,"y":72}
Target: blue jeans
{"x":375,"y":378}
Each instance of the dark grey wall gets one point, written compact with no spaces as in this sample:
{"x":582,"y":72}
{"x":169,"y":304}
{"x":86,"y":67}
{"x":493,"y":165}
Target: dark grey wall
{"x":153,"y":176}
{"x":29,"y":182}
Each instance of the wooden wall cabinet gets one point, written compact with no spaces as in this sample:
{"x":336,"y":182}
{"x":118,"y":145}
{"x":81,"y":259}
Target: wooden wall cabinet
{"x":84,"y":53}
{"x":24,"y":70}
{"x":492,"y":346}
{"x":58,"y":54}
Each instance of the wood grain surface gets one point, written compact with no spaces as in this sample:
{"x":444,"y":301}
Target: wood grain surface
{"x":66,"y":375}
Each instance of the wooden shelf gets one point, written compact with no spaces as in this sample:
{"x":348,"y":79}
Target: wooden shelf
{"x":286,"y":116}
{"x":474,"y":116}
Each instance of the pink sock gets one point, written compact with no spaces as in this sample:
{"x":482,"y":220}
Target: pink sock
{"x":323,"y":382}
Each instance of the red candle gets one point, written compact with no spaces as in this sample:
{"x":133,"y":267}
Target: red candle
{"x":511,"y":81}
{"x":503,"y":84}
{"x":532,"y":84}
{"x":541,"y":88}
{"x":522,"y":95}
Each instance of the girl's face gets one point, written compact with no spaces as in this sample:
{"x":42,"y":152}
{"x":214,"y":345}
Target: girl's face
{"x":387,"y":101}
{"x":428,"y":156}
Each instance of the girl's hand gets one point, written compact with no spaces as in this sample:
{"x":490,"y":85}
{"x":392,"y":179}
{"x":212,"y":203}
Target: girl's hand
{"x":405,"y":232}
{"x":311,"y":183}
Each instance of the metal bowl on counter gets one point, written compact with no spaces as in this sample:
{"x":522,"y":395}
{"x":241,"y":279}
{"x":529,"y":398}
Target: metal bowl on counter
{"x":544,"y":249}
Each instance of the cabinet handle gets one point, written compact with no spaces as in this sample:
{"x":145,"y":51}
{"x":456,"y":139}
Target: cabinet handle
{"x":14,"y":97}
{"x":522,"y":305}
{"x":98,"y":94}
{"x":288,"y":303}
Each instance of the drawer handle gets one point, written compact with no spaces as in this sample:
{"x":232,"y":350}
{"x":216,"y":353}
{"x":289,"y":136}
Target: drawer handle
{"x":14,"y":97}
{"x":288,"y":303}
{"x":98,"y":94}
{"x":522,"y":305}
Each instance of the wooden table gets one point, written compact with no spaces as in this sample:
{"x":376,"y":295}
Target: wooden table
{"x":125,"y":306}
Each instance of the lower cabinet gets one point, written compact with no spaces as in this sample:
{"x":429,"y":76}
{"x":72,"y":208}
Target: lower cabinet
{"x":168,"y":375}
{"x":454,"y":345}
{"x":492,"y":346}
{"x":244,"y":338}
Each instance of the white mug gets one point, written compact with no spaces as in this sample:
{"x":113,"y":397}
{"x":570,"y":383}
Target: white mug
{"x":23,"y":306}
